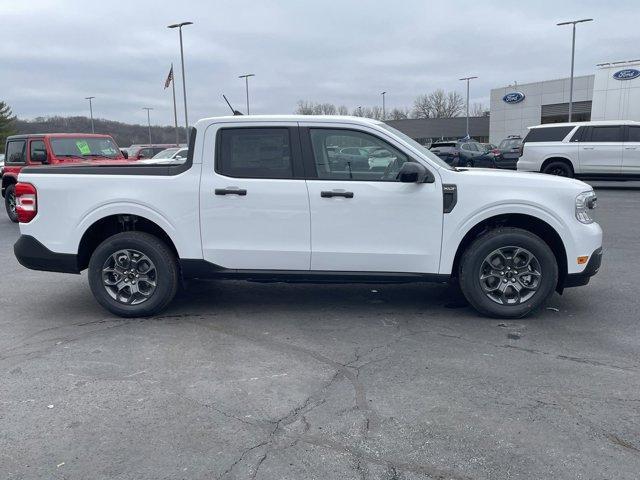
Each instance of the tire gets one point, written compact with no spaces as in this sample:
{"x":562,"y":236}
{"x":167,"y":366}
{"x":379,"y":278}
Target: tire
{"x":10,"y":203}
{"x":521,"y":242}
{"x":468,"y":163}
{"x":116,"y":291}
{"x":561,"y":169}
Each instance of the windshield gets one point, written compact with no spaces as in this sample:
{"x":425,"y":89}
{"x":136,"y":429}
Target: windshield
{"x":422,"y":149}
{"x":510,"y":143}
{"x":85,"y":147}
{"x":168,"y":153}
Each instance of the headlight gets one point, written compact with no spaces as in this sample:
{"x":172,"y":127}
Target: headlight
{"x":585,"y":202}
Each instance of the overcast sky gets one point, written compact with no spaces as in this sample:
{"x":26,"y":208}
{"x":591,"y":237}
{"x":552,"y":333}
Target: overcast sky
{"x":55,"y":53}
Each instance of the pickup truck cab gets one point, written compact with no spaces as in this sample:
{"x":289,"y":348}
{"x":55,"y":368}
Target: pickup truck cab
{"x":259,"y":198}
{"x":51,"y":149}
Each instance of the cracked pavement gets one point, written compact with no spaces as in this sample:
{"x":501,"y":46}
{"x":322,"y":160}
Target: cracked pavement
{"x":263,"y":381}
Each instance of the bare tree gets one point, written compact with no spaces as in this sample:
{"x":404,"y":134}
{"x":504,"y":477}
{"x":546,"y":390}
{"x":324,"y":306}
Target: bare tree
{"x":399,"y":114}
{"x":478,"y":109}
{"x":311,"y":108}
{"x":438,"y":104}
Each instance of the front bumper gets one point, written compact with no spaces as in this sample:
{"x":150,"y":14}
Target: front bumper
{"x":582,"y":278}
{"x":35,"y":256}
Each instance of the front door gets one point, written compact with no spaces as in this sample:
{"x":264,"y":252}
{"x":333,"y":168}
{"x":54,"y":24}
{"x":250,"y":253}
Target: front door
{"x":254,"y":207}
{"x":601,"y":150}
{"x":631,"y":151}
{"x":362,"y":218}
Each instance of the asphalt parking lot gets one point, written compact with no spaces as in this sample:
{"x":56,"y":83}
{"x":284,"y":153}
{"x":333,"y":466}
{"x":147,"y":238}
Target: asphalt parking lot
{"x":242,"y":380}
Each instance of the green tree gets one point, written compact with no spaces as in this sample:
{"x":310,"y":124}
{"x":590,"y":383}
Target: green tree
{"x":6,"y":123}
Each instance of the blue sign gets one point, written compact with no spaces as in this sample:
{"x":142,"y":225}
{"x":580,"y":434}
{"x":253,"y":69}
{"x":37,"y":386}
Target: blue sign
{"x":627,"y":74}
{"x":513,"y":97}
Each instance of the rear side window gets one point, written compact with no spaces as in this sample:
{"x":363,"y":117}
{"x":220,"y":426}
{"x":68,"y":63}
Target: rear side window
{"x":547,"y":134}
{"x":255,"y":153}
{"x":15,"y":151}
{"x":37,"y":146}
{"x":606,"y":134}
{"x":634,"y":134}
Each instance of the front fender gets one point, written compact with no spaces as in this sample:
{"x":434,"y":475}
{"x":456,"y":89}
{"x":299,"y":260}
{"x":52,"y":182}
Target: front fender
{"x":455,"y":229}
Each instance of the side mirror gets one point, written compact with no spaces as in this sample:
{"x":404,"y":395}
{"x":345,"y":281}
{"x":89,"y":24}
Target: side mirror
{"x":39,"y":156}
{"x":413,"y":172}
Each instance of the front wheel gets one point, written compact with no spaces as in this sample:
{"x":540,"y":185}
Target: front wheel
{"x":10,"y":203}
{"x":133,"y":274}
{"x":508,"y":273}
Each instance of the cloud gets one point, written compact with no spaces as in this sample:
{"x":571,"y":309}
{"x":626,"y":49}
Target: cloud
{"x":55,"y":53}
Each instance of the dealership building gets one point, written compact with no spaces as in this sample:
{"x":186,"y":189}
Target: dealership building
{"x":612,"y":93}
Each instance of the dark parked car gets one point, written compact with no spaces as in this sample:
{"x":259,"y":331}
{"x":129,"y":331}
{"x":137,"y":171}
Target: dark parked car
{"x":510,"y":149}
{"x":464,"y":153}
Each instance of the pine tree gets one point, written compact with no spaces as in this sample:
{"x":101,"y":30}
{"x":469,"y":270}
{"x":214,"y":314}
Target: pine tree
{"x":6,"y":123}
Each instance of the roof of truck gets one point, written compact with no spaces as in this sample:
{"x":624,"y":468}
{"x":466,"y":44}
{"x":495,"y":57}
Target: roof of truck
{"x":57,"y":135}
{"x":292,"y":118}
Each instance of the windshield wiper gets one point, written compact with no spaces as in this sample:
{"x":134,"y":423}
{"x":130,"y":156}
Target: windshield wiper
{"x":71,"y":156}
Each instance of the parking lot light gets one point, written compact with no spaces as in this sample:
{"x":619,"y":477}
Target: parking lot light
{"x":184,"y":84}
{"x":148,"y":109}
{"x":93,"y":130}
{"x":467,"y":80}
{"x":573,"y":52}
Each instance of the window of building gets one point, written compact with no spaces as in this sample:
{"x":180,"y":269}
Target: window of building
{"x":255,"y":153}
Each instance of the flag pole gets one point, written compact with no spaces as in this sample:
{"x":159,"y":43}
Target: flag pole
{"x":175,"y":111}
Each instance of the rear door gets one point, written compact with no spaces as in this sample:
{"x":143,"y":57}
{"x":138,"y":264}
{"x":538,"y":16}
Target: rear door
{"x":363,"y":219}
{"x":600,"y":150}
{"x":631,"y":151}
{"x":254,"y":206}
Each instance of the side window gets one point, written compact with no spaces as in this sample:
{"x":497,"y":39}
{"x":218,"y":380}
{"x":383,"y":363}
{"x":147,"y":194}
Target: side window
{"x":547,"y":134}
{"x":579,"y":134}
{"x":606,"y":134}
{"x":37,"y":146}
{"x":634,"y":134}
{"x":15,"y":151}
{"x":380,"y":161}
{"x":146,"y":153}
{"x":254,"y":153}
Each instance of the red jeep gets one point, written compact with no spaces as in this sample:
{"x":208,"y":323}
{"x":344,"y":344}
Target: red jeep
{"x":51,"y":149}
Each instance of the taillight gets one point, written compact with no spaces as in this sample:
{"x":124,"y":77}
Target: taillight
{"x":26,"y":202}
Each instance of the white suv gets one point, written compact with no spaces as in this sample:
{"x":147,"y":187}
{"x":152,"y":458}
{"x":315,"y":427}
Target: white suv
{"x":606,"y":149}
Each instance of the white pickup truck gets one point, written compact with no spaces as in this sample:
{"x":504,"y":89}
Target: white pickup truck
{"x":271,"y":198}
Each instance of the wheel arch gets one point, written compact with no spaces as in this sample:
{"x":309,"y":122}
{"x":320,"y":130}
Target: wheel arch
{"x":526,"y":222}
{"x":110,"y":225}
{"x":8,"y":180}
{"x":557,"y":158}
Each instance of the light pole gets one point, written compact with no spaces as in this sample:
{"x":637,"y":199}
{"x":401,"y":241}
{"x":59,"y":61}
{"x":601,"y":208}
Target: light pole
{"x":383,"y":106}
{"x":246,"y":81}
{"x":184,"y":84}
{"x":93,"y":130}
{"x":148,"y":109}
{"x":573,"y":53}
{"x":467,"y":80}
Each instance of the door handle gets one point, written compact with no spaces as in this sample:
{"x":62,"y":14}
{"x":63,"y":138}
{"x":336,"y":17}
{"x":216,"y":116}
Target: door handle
{"x":335,"y":193}
{"x":231,"y":191}
{"x":587,"y":148}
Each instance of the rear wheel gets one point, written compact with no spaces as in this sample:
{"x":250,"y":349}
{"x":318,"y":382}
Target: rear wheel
{"x":508,"y":273}
{"x":561,"y":169}
{"x":133,"y":274}
{"x":10,"y":203}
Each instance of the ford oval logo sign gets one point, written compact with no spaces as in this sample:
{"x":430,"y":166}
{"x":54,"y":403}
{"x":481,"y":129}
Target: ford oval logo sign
{"x":513,"y":97}
{"x":627,"y":74}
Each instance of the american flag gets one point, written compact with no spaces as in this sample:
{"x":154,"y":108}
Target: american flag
{"x":169,"y":78}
